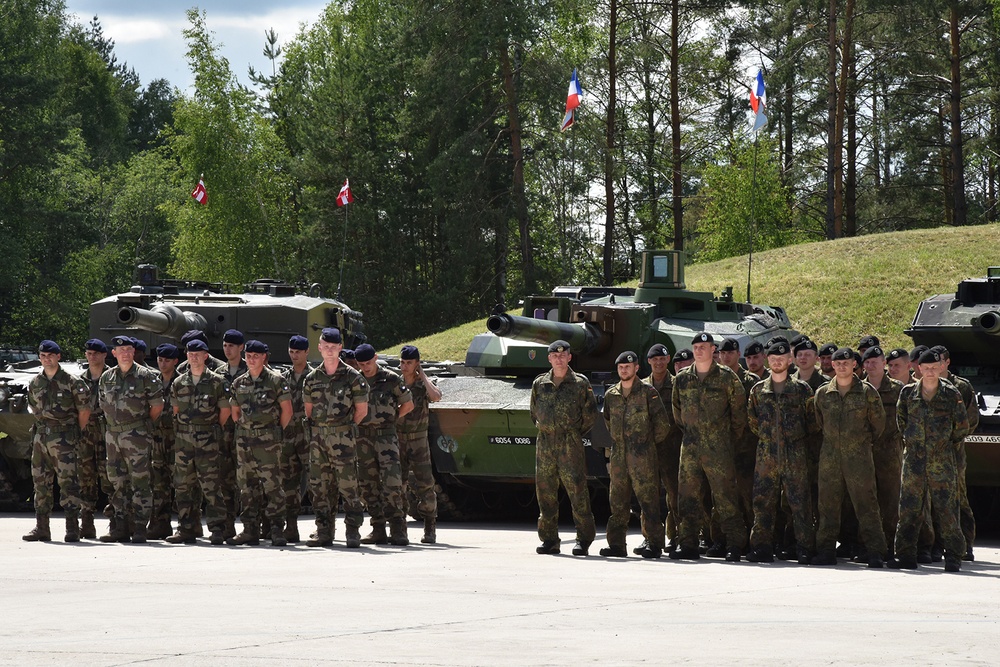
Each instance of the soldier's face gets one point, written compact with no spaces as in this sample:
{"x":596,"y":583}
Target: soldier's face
{"x":560,"y":360}
{"x":232,"y":352}
{"x":779,"y":362}
{"x":369,"y":367}
{"x":94,"y":357}
{"x":50,"y":360}
{"x":681,"y":364}
{"x":124,"y":354}
{"x":806,"y":359}
{"x":899,"y":369}
{"x":931,"y":371}
{"x":659,"y":365}
{"x":298,"y":357}
{"x":730,"y":358}
{"x":330,"y":351}
{"x":844,"y":368}
{"x":409,"y":366}
{"x":826,"y":364}
{"x":703,"y":351}
{"x":197,"y":359}
{"x":627,"y":371}
{"x":256,"y":360}
{"x":166,"y":366}
{"x":755,"y":362}
{"x":874,"y":366}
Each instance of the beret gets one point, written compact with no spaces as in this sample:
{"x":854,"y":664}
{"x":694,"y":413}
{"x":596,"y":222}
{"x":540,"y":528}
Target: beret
{"x":729,"y":345}
{"x":775,"y":339}
{"x":257,"y":346}
{"x":411,"y":352}
{"x":193,"y":334}
{"x":168,"y":351}
{"x":123,"y":341}
{"x":804,"y":345}
{"x":930,"y":356}
{"x":703,"y":337}
{"x":897,"y":353}
{"x":49,"y":346}
{"x":558,"y":346}
{"x":197,"y":345}
{"x":869,"y":341}
{"x":683,"y":355}
{"x":233,"y":336}
{"x":753,"y":348}
{"x":827,"y":349}
{"x":364,"y":352}
{"x":942,"y":350}
{"x":658,"y":350}
{"x":873,"y":352}
{"x":627,"y":357}
{"x":140,"y":344}
{"x":777,"y":348}
{"x":843,"y":354}
{"x":95,"y":345}
{"x":298,"y":342}
{"x":917,"y":351}
{"x":331,"y":335}
{"x":347,"y":354}
{"x":801,"y":338}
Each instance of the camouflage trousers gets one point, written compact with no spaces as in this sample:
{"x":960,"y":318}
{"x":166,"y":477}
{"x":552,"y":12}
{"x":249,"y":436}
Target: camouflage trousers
{"x":54,"y":458}
{"x":416,"y":472}
{"x":559,"y":457}
{"x":851,"y":470}
{"x":129,"y":468}
{"x":92,"y":458}
{"x":380,"y":478}
{"x":258,"y":451}
{"x":196,"y":476}
{"x":333,"y":475}
{"x":968,"y":519}
{"x":162,"y":473}
{"x":888,"y":460}
{"x":714,"y":468}
{"x":634,"y":469}
{"x":929,"y":486}
{"x":745,"y":460}
{"x":668,"y":461}
{"x":294,"y":468}
{"x":778,"y":471}
{"x":228,"y":463}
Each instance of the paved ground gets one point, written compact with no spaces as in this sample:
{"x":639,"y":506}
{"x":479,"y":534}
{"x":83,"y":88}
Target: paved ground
{"x":480,"y":597}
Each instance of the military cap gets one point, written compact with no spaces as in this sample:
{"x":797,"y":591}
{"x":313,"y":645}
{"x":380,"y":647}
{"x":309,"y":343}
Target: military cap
{"x":254,"y":345}
{"x":364,"y":352}
{"x":558,"y":346}
{"x":168,"y":351}
{"x":196,"y":345}
{"x":233,"y":336}
{"x":897,"y":353}
{"x":729,"y":345}
{"x":123,"y":341}
{"x":843,"y":354}
{"x":331,"y":335}
{"x":411,"y":352}
{"x":95,"y":345}
{"x":775,"y":339}
{"x":873,"y":352}
{"x":868,"y":341}
{"x":658,"y":350}
{"x":753,"y":348}
{"x":346,"y":354}
{"x":683,"y":355}
{"x":827,"y":349}
{"x":917,"y":351}
{"x":193,"y":334}
{"x":49,"y":346}
{"x":777,"y":348}
{"x":801,"y":338}
{"x":703,"y":337}
{"x":627,"y":357}
{"x":804,"y":345}
{"x":298,"y":342}
{"x":139,"y":344}
{"x":942,"y":350}
{"x":930,"y":356}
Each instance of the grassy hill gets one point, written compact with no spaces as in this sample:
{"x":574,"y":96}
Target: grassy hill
{"x":835,"y":291}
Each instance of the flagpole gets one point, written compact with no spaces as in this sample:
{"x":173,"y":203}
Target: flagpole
{"x":753,"y":208}
{"x":343,"y":254}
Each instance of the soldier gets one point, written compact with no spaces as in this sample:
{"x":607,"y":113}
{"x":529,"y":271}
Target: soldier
{"x":380,"y":479}
{"x":745,"y":448}
{"x":850,"y":414}
{"x":262,"y":407}
{"x":914,"y":356}
{"x":132,"y":399}
{"x":898,"y":364}
{"x":887,"y":450}
{"x":636,"y":420}
{"x":213,"y":363}
{"x":806,"y":356}
{"x":780,"y":412}
{"x":61,"y":404}
{"x":92,"y":452}
{"x":933,"y":420}
{"x":826,"y":359}
{"x":866,"y":343}
{"x":348,"y":357}
{"x":564,"y":408}
{"x":336,"y":400}
{"x":710,"y":407}
{"x":233,"y":344}
{"x":162,"y":473}
{"x":295,"y":446}
{"x":140,"y":351}
{"x":414,"y":448}
{"x":200,"y":403}
{"x":754,"y":356}
{"x":682,"y":360}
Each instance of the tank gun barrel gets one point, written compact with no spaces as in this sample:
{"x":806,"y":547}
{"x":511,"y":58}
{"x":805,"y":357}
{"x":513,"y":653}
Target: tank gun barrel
{"x":585,"y":339}
{"x":162,"y":319}
{"x":990,"y":322}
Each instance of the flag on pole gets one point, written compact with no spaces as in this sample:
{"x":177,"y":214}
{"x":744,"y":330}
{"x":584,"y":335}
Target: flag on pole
{"x":758,"y":101}
{"x":573,"y":99}
{"x":199,"y":193}
{"x":345,"y":197}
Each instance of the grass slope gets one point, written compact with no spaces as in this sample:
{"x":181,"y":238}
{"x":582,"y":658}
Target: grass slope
{"x":834,"y":291}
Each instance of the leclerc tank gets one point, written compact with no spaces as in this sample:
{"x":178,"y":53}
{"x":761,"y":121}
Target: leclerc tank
{"x":481,"y":431}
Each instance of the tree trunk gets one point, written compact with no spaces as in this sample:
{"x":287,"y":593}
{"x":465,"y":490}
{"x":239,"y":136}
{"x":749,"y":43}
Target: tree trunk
{"x":846,"y":49}
{"x":876,"y":137}
{"x":832,"y":224}
{"x":677,"y":182}
{"x":851,"y":168}
{"x":961,"y":209}
{"x":609,"y":157}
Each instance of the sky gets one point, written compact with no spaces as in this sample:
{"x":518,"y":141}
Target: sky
{"x":147,"y":33}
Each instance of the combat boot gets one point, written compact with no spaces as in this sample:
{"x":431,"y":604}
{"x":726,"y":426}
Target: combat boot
{"x":734,"y":555}
{"x":278,"y":534}
{"x":581,"y":548}
{"x":685,"y":553}
{"x":969,"y":556}
{"x":265,"y":526}
{"x":159,"y":529}
{"x":292,"y":527}
{"x":323,"y":537}
{"x":875,"y":561}
{"x":41,"y":532}
{"x":87,"y":529}
{"x":353,"y":537}
{"x":952,"y":563}
{"x":651,"y":552}
{"x":115,"y":525}
{"x":761,"y":554}
{"x":825,"y":557}
{"x":717,"y":550}
{"x":397,"y":533}
{"x":199,"y":531}
{"x":924,"y":556}
{"x":613,"y":551}
{"x":218,"y":537}
{"x":72,"y":528}
{"x":548,"y":547}
{"x":249,"y":536}
{"x":638,"y":550}
{"x":430,"y":531}
{"x":139,"y":535}
{"x":804,"y":557}
{"x":902,"y":563}
{"x":230,"y":530}
{"x":182,"y":537}
{"x":377,"y":536}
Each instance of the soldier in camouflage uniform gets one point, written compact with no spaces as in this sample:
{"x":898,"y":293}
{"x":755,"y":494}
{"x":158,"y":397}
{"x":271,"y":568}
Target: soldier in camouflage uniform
{"x":295,"y":446}
{"x":380,"y":480}
{"x":262,"y":407}
{"x":92,"y":452}
{"x":898,"y":365}
{"x":744,"y":448}
{"x":336,"y":400}
{"x":826,"y":359}
{"x":200,"y":402}
{"x":414,"y":448}
{"x":230,"y":369}
{"x":850,"y":414}
{"x":132,"y":400}
{"x":754,"y":356}
{"x":61,"y":404}
{"x":564,"y":409}
{"x":637,"y":420}
{"x":167,"y":358}
{"x":933,"y":420}
{"x":710,"y":407}
{"x":780,"y":412}
{"x":887,"y":450}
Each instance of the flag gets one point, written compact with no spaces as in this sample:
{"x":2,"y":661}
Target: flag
{"x":758,"y":101}
{"x":345,"y":197}
{"x":199,"y":193}
{"x":573,"y":99}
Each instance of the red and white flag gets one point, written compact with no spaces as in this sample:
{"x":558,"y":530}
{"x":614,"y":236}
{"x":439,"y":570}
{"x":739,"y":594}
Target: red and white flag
{"x":199,"y":193}
{"x":345,"y":197}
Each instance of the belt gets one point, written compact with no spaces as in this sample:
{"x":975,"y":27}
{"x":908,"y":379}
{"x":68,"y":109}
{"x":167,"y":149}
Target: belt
{"x":127,"y":426}
{"x":189,"y":428}
{"x":55,"y":423}
{"x":257,"y":429}
{"x":377,"y":431}
{"x":328,"y":429}
{"x":406,"y":437}
{"x":56,"y":427}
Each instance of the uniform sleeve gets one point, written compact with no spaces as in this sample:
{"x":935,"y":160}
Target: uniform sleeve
{"x":737,"y":407}
{"x":81,"y":394}
{"x":902,"y":409}
{"x":971,"y":405}
{"x":154,"y":390}
{"x":675,"y":404}
{"x":960,"y":426}
{"x":589,"y":412}
{"x":876,"y":413}
{"x":753,"y":419}
{"x":817,"y":408}
{"x":812,"y":424}
{"x":359,"y":389}
{"x":532,"y":403}
{"x":282,"y":388}
{"x":660,"y":417}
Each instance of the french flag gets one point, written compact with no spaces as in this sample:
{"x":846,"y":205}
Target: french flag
{"x":573,"y":99}
{"x":758,"y":101}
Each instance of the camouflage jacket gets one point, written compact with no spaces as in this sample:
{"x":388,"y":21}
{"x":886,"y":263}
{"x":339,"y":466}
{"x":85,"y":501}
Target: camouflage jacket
{"x":637,"y":420}
{"x":416,"y":420}
{"x":888,"y":391}
{"x":333,"y":397}
{"x":199,"y":404}
{"x":709,"y":410}
{"x":127,"y":397}
{"x":779,"y":419}
{"x":815,"y":381}
{"x":296,"y":384}
{"x":386,"y":392}
{"x":665,"y":390}
{"x":747,"y":379}
{"x":968,"y":397}
{"x":569,"y":407}
{"x":855,"y":419}
{"x":224,"y":371}
{"x":58,"y":399}
{"x":936,"y":425}
{"x":259,"y":399}
{"x":95,"y":394}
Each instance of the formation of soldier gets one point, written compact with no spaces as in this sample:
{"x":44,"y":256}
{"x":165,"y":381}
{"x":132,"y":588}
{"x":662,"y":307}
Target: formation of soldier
{"x":232,"y":437}
{"x":861,"y":458}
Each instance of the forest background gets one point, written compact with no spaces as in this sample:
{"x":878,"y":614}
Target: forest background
{"x":445,"y":116}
